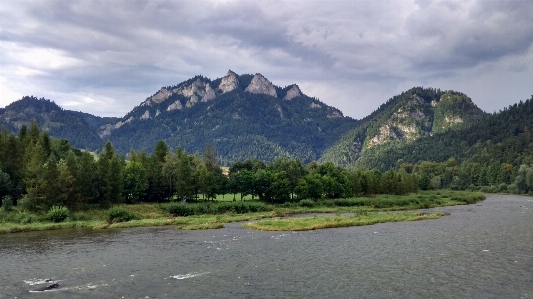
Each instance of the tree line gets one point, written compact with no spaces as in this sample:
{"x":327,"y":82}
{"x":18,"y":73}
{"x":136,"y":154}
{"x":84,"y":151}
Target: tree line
{"x":38,"y":172}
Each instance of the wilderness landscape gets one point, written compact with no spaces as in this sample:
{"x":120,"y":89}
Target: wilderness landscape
{"x":277,"y":145}
{"x":266,"y":149}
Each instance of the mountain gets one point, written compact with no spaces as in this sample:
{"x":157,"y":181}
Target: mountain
{"x":403,"y":119}
{"x":77,"y":127}
{"x":503,"y":138}
{"x":241,"y":116}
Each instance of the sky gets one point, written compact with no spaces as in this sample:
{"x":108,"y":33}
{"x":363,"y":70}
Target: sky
{"x":106,"y":57}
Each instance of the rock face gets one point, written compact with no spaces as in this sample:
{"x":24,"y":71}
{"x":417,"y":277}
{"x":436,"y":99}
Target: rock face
{"x":229,"y":82}
{"x":146,"y":115}
{"x":406,"y":124}
{"x":175,"y":106}
{"x":195,"y":91}
{"x":261,"y":85}
{"x":209,"y":94}
{"x":161,"y":95}
{"x":105,"y":130}
{"x":293,"y":92}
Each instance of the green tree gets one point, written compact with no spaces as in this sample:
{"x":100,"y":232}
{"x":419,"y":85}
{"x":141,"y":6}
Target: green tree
{"x":135,"y":182}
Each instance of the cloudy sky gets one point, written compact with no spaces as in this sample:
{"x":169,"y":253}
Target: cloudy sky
{"x":105,"y":57}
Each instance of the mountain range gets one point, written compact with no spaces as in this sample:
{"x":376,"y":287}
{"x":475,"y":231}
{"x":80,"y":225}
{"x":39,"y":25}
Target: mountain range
{"x":246,"y":116}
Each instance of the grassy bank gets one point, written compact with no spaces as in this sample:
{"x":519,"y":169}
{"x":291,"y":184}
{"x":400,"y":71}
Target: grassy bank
{"x":214,"y":214}
{"x":312,"y":223}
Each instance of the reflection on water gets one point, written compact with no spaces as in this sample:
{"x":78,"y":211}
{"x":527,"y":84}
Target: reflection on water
{"x":479,"y":251}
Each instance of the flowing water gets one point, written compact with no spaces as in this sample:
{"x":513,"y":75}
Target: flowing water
{"x":479,"y":251}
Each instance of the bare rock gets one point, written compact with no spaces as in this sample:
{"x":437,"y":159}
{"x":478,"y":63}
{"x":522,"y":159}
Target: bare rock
{"x":293,"y":92}
{"x":260,"y":85}
{"x":175,"y":106}
{"x":209,"y":93}
{"x":229,"y":82}
{"x":146,"y":115}
{"x":160,"y":96}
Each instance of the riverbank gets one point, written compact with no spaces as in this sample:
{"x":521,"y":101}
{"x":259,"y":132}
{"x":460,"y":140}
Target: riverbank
{"x":212,"y":215}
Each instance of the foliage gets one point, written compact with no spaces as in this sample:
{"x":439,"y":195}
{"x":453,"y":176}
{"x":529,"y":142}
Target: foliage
{"x":7,"y":203}
{"x":119,"y":214}
{"x":58,"y":214}
{"x":306,"y":203}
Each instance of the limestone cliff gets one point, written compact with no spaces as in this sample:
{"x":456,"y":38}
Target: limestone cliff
{"x":261,"y":85}
{"x":293,"y":92}
{"x":229,"y":82}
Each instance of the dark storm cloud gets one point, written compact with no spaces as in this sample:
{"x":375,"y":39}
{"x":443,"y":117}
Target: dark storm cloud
{"x":93,"y":55}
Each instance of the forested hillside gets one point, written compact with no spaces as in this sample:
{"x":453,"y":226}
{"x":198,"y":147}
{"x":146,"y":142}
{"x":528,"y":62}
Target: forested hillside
{"x":241,"y":116}
{"x":240,"y":122}
{"x":416,"y":113}
{"x":77,"y":127}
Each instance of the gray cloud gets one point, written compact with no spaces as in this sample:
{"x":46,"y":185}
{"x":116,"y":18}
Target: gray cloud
{"x":105,"y":57}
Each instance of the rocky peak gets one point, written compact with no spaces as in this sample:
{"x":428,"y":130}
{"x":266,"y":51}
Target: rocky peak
{"x":293,"y":92}
{"x":229,"y":82}
{"x":261,"y":85}
{"x":159,"y":97}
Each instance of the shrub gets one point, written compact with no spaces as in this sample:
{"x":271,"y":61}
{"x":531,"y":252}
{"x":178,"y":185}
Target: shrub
{"x":241,"y":207}
{"x":306,"y":203}
{"x":27,"y":203}
{"x":58,"y":214}
{"x":119,"y":214}
{"x":179,"y":209}
{"x":7,"y":203}
{"x":25,"y":218}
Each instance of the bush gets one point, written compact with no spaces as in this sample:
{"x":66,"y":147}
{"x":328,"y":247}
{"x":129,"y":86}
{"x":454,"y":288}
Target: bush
{"x":7,"y":203}
{"x":179,"y":209}
{"x":119,"y":214}
{"x":306,"y":203}
{"x":27,"y":203}
{"x":58,"y":214}
{"x":240,"y":207}
{"x":25,"y":218}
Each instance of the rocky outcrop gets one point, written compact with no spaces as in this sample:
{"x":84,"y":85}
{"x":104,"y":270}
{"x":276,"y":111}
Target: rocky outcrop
{"x":334,"y":114}
{"x":175,"y":106}
{"x":406,"y":124}
{"x":260,"y":85}
{"x":209,"y":94}
{"x":195,"y":91}
{"x":315,"y":105}
{"x":146,"y":115}
{"x":453,"y":119}
{"x":193,"y":100}
{"x":229,"y":82}
{"x":293,"y":93}
{"x":160,"y":96}
{"x":106,"y":130}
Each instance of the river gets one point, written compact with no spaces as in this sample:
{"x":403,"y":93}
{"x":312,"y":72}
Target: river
{"x":483,"y":250}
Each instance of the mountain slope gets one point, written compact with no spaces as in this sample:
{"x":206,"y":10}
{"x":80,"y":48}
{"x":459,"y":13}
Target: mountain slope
{"x":416,"y":113}
{"x":242,"y":116}
{"x":484,"y":139}
{"x":77,"y":127}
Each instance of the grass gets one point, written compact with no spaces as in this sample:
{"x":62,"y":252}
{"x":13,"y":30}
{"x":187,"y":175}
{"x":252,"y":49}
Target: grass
{"x":313,"y":223}
{"x":215,"y":214}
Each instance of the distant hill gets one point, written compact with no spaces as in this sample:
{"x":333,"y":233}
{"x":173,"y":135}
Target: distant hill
{"x":77,"y":127}
{"x":503,"y":137}
{"x":405,"y":118}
